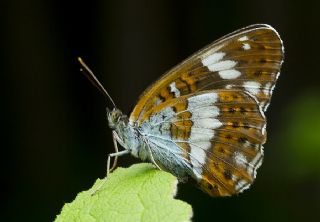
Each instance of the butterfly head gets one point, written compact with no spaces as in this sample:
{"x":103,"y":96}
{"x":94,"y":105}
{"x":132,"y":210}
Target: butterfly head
{"x":115,"y":117}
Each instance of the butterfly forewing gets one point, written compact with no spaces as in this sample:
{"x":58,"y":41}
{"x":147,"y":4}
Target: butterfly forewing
{"x":205,"y":117}
{"x":248,"y":59}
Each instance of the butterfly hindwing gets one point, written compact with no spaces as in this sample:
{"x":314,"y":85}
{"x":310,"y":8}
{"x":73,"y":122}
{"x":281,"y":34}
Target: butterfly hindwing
{"x":248,"y":59}
{"x":215,"y":136}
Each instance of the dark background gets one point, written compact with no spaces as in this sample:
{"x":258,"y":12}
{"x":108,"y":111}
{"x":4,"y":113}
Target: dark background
{"x":55,"y":136}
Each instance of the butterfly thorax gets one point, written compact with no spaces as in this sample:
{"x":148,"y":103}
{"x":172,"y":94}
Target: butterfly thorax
{"x":127,"y":136}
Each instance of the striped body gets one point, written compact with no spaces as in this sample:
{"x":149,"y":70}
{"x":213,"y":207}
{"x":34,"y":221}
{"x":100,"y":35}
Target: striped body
{"x":204,"y":119}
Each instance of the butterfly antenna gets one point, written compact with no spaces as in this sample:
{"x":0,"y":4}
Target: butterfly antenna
{"x":93,"y":79}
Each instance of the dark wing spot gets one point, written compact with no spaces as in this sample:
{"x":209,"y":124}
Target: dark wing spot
{"x":246,"y":126}
{"x":243,"y":110}
{"x":235,"y":124}
{"x":242,"y":140}
{"x":263,"y":60}
{"x":258,"y":73}
{"x":234,"y":96}
{"x":161,"y":98}
{"x":227,"y":174}
{"x":221,"y":150}
{"x":231,"y":110}
{"x":186,"y":83}
{"x":174,"y":109}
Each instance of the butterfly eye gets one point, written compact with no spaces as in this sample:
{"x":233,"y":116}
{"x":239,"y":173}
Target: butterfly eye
{"x":114,"y":117}
{"x":111,"y":119}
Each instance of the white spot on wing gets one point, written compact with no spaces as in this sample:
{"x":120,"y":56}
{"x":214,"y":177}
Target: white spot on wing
{"x":252,"y":87}
{"x":223,"y":65}
{"x":214,"y":58}
{"x":174,"y":89}
{"x":198,"y":134}
{"x":202,"y":100}
{"x":207,"y":123}
{"x":212,"y":51}
{"x":159,"y":117}
{"x":240,"y":159}
{"x":243,"y":38}
{"x":198,"y":157}
{"x":204,"y":111}
{"x":246,"y":46}
{"x":228,"y":86}
{"x":247,"y":144}
{"x":229,"y":74}
{"x":267,"y":88}
{"x":158,"y":101}
{"x":242,"y":185}
{"x":234,"y":177}
{"x":197,"y":172}
{"x":204,"y":145}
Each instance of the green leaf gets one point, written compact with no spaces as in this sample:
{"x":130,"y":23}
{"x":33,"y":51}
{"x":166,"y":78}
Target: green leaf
{"x":138,"y":193}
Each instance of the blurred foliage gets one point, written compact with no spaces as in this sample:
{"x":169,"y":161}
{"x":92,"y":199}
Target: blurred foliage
{"x":301,"y":134}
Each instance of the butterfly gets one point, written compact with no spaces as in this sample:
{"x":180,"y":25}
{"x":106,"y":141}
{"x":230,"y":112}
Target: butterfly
{"x":204,"y":119}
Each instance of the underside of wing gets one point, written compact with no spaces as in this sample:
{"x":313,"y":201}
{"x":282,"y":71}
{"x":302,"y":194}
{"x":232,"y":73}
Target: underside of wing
{"x":248,"y":59}
{"x":215,"y":136}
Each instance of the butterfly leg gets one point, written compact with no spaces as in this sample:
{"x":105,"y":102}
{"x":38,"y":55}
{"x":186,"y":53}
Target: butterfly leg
{"x":115,"y":143}
{"x":151,"y":156}
{"x":108,"y":168}
{"x":115,"y":155}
